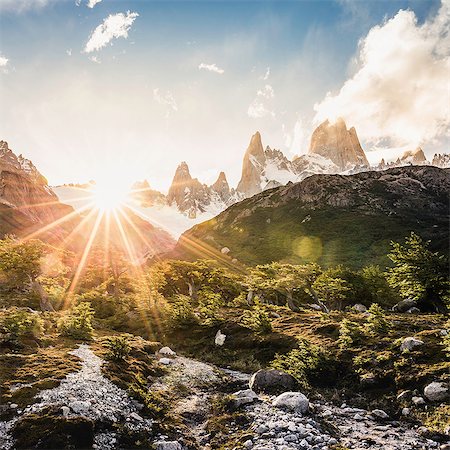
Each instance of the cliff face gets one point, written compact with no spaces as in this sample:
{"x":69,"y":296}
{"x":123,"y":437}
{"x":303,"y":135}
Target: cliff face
{"x":338,"y":144}
{"x":252,"y":167}
{"x":26,"y":201}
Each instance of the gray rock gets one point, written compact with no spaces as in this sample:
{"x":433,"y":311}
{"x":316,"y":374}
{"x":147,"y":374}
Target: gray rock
{"x":244,"y":397}
{"x":65,"y":411}
{"x":406,"y":411}
{"x":436,"y":391}
{"x":410,"y":343}
{"x":380,"y":414}
{"x":136,"y":416}
{"x":359,"y":307}
{"x":293,"y":401}
{"x":166,"y":351}
{"x":404,"y":305}
{"x":168,"y":445}
{"x":413,"y":310}
{"x":272,"y":381}
{"x":418,"y":401}
{"x":165,"y":361}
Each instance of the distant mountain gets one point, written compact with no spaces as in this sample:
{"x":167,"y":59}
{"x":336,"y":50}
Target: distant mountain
{"x":338,"y":144}
{"x":28,"y":206}
{"x":334,"y":149}
{"x":26,"y":201}
{"x":331,"y":219}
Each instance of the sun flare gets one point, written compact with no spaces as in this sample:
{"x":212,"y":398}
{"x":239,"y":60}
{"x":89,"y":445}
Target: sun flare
{"x":109,"y":196}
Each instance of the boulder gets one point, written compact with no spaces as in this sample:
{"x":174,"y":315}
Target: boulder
{"x":293,"y":401}
{"x":244,"y":397}
{"x":418,"y":401}
{"x":404,"y":305}
{"x":410,"y":343}
{"x":168,"y":445}
{"x":165,"y":361}
{"x":359,"y":307}
{"x":272,"y":381}
{"x":166,"y":351}
{"x":220,"y":338}
{"x":380,"y":414}
{"x":436,"y":391}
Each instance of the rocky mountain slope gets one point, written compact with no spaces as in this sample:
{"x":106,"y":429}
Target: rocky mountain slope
{"x":26,"y":201}
{"x":331,"y":219}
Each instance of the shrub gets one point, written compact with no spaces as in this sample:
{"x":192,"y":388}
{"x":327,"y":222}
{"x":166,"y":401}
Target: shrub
{"x":257,"y":319}
{"x":181,"y":311}
{"x":376,"y":320}
{"x":305,"y":363}
{"x":350,"y":333}
{"x":78,"y":322}
{"x":18,"y":323}
{"x":118,"y":347}
{"x":209,"y":306}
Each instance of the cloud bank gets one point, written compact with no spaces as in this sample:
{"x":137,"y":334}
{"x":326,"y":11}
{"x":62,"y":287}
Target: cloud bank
{"x":259,"y":107}
{"x":3,"y":61}
{"x":400,"y":92}
{"x":166,"y":99}
{"x":211,"y":68}
{"x":113,"y":27}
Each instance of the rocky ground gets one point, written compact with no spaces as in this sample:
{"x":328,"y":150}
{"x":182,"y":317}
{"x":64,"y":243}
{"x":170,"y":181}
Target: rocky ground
{"x":259,"y":421}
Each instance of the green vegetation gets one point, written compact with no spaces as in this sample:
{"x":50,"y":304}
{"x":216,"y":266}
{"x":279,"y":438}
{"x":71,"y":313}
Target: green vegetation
{"x":257,"y":319}
{"x":376,"y":320}
{"x":118,"y":347}
{"x":77,"y":323}
{"x":18,"y":323}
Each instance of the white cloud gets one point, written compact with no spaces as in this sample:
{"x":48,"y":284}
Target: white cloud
{"x":92,"y":3}
{"x":399,"y":93}
{"x":3,"y":61}
{"x":211,"y":68}
{"x":266,"y":75}
{"x":166,"y":99}
{"x":113,"y":27}
{"x":259,"y":108}
{"x":89,"y":3}
{"x":94,"y":59}
{"x":69,"y":52}
{"x":22,"y":5}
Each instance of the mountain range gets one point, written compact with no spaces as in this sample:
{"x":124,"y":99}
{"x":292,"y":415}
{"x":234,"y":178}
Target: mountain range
{"x":334,"y":149}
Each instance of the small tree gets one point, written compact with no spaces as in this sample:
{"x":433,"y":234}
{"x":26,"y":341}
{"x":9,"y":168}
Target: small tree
{"x":333,"y":291}
{"x":376,"y":320}
{"x":420,"y":274}
{"x":257,"y":319}
{"x":118,"y":347}
{"x":349,"y":334}
{"x":78,"y":322}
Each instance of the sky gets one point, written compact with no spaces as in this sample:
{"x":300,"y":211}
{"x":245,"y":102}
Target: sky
{"x":93,"y":89}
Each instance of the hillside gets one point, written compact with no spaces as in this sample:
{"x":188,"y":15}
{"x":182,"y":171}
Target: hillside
{"x":330,"y":219}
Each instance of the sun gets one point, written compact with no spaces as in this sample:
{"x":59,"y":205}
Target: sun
{"x":109,"y":195}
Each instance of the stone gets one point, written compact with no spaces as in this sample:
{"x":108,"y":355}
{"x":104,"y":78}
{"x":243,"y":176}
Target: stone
{"x":293,"y":401}
{"x":404,"y":305}
{"x":418,"y":401}
{"x":248,"y":443}
{"x":225,"y":250}
{"x":166,"y":351}
{"x":136,"y":416}
{"x":244,"y":397}
{"x":272,"y":381}
{"x":436,"y":391}
{"x":413,"y":310}
{"x":168,"y":445}
{"x":220,"y":338}
{"x":380,"y":414}
{"x":80,"y":406}
{"x":406,"y":411}
{"x":359,"y":307}
{"x":65,"y":411}
{"x":410,"y":343}
{"x":165,"y":361}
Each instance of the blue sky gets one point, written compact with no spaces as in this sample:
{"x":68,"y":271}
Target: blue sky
{"x":140,"y":104}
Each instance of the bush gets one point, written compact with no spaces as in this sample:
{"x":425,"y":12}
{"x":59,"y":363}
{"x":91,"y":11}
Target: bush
{"x":446,"y":339}
{"x":257,"y":319}
{"x":78,"y":323}
{"x":181,"y":312}
{"x":376,"y":320}
{"x":118,"y":347}
{"x":305,"y":363}
{"x":349,"y":334}
{"x":209,"y":306}
{"x":18,"y":323}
